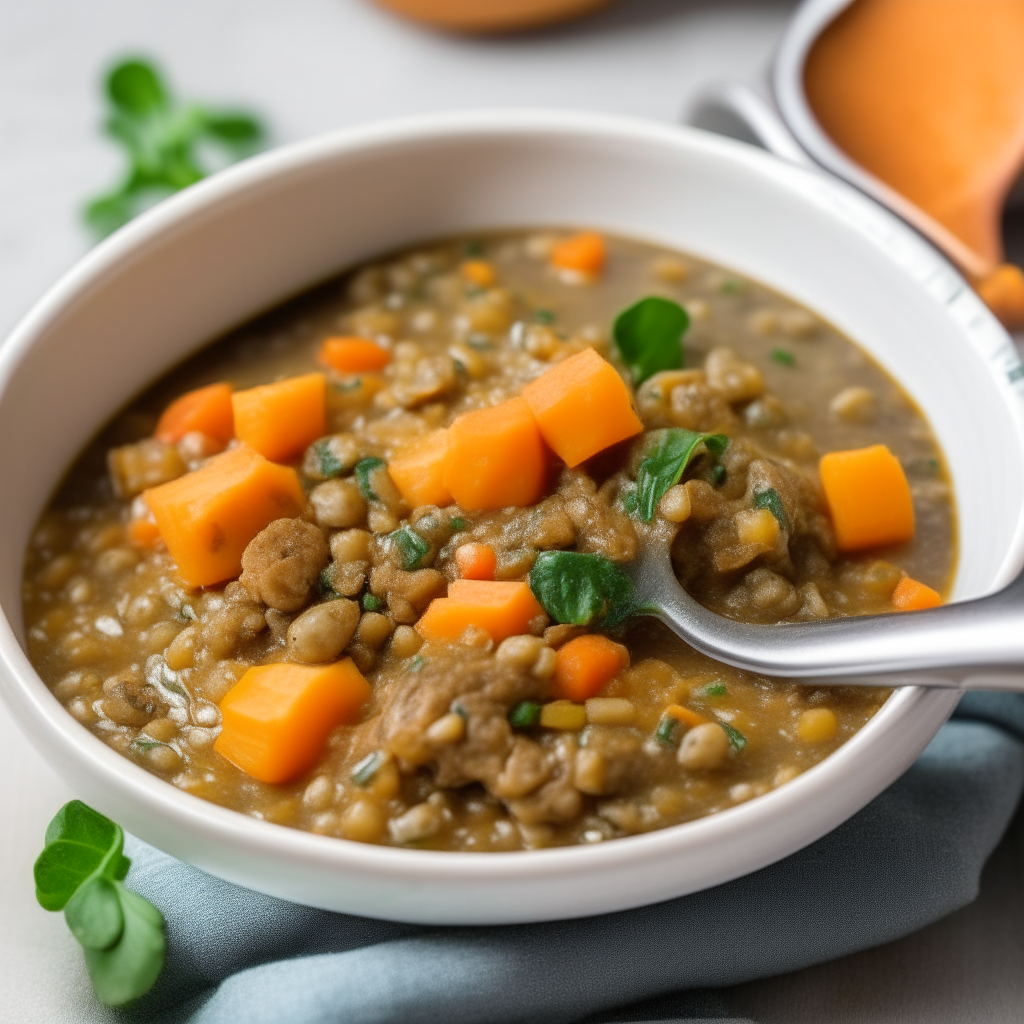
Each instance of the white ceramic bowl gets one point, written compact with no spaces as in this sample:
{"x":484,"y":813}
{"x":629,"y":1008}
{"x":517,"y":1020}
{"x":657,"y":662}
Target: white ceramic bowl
{"x":258,"y":233}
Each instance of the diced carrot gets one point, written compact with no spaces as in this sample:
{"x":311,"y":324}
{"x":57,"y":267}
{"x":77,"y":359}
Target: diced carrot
{"x":280,"y":420}
{"x":207,"y":517}
{"x":500,"y":609}
{"x":276,"y":718}
{"x":476,"y":561}
{"x":206,"y":410}
{"x":496,"y":457}
{"x":584,"y":253}
{"x":584,"y":666}
{"x":353,"y":355}
{"x":1003,"y":292}
{"x":480,"y":272}
{"x":143,"y":532}
{"x":685,"y":715}
{"x":911,"y":596}
{"x":582,"y":406}
{"x":418,"y":468}
{"x":869,"y":497}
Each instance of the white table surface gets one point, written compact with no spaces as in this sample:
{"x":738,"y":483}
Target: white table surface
{"x":313,"y":65}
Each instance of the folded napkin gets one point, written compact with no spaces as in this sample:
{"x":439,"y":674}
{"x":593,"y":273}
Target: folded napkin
{"x":910,"y":857}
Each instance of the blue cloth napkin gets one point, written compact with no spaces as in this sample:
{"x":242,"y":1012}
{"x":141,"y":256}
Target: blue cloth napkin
{"x":910,"y":857}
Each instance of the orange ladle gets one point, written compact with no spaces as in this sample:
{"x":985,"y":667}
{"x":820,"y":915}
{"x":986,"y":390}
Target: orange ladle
{"x":921,"y":103}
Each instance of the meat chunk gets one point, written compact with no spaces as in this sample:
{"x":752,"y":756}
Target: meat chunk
{"x":282,"y":562}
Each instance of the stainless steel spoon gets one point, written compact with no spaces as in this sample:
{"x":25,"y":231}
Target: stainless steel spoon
{"x":975,"y":645}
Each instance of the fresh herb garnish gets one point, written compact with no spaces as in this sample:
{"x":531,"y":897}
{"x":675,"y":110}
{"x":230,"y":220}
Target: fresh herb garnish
{"x":736,"y":739}
{"x":456,"y":523}
{"x":665,"y":466}
{"x":544,"y":316}
{"x":666,"y":731}
{"x":371,"y":603}
{"x":327,"y":462}
{"x":713,"y":690}
{"x":731,"y":286}
{"x":629,"y":498}
{"x":716,"y":475}
{"x":524,"y":715}
{"x":582,"y":589}
{"x":365,"y":770}
{"x":649,"y":336}
{"x":411,"y":546}
{"x":783,"y":357}
{"x":363,"y":469}
{"x":460,"y":709}
{"x":162,"y":139}
{"x":145,"y":743}
{"x":416,"y":663}
{"x":80,"y":871}
{"x":325,"y":585}
{"x":769,"y":499}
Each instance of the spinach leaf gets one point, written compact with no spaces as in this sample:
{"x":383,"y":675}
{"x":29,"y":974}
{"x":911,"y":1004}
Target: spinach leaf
{"x":411,"y":546}
{"x":769,"y":499}
{"x":665,"y":466}
{"x":582,"y":589}
{"x":326,"y":461}
{"x":162,"y":140}
{"x":364,"y":468}
{"x":736,"y":739}
{"x":80,"y":871}
{"x":649,"y":336}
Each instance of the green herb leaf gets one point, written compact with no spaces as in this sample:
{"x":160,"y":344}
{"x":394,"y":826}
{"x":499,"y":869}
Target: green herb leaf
{"x":582,"y":589}
{"x":769,"y":499}
{"x":372,"y":603}
{"x":416,"y":663}
{"x":365,"y":770}
{"x":135,"y":89}
{"x":732,"y":286}
{"x":326,"y":461}
{"x":364,"y":469}
{"x":783,"y":357}
{"x":629,"y":498}
{"x":544,"y":316}
{"x":325,"y":585}
{"x":716,"y":475}
{"x":736,"y":739}
{"x":524,"y":715}
{"x":80,"y":871}
{"x":713,"y":690}
{"x":664,"y":468}
{"x":649,"y":336}
{"x":411,"y":546}
{"x":456,"y":523}
{"x":666,"y":731}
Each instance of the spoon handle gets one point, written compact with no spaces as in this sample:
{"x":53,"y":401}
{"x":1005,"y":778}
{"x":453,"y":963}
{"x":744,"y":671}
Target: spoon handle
{"x":975,"y":644}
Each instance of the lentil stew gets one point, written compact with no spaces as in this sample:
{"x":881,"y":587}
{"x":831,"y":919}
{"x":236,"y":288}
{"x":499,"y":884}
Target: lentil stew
{"x":354,"y":568}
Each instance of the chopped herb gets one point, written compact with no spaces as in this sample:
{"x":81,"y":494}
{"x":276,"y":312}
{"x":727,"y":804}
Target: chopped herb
{"x":80,"y":871}
{"x":769,"y":499}
{"x":145,"y":743}
{"x":416,"y":663}
{"x":544,"y":316}
{"x":163,"y":141}
{"x":665,"y":466}
{"x":716,"y":475}
{"x":784,"y":357}
{"x":479,"y":342}
{"x":327,"y":462}
{"x":325,"y":585}
{"x":365,"y":770}
{"x":524,"y":715}
{"x":582,"y":589}
{"x":629,"y":497}
{"x":456,"y":523}
{"x":713,"y":690}
{"x":349,"y":384}
{"x":460,"y":709}
{"x":666,"y":731}
{"x":731,"y":286}
{"x":736,"y":739}
{"x":363,"y":469}
{"x":649,"y":336}
{"x":411,"y":546}
{"x":473,"y":249}
{"x":371,"y":603}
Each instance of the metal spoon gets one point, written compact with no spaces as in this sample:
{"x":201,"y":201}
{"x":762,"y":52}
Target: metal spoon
{"x":974,"y":645}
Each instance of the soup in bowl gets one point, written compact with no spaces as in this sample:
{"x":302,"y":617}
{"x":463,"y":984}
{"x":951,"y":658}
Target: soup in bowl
{"x":355,"y":568}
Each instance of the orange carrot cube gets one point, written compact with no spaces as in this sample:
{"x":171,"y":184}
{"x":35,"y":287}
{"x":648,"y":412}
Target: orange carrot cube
{"x":584,"y":666}
{"x":868,"y":496}
{"x":500,"y":609}
{"x":353,"y":355}
{"x":207,"y":517}
{"x":418,"y":470}
{"x":582,"y":406}
{"x":276,"y":718}
{"x":476,"y":561}
{"x":911,"y":596}
{"x":496,"y":457}
{"x":206,"y":410}
{"x":280,"y":420}
{"x":584,"y":253}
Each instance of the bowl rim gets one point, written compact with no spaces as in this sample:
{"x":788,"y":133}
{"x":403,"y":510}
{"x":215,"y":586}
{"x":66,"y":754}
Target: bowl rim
{"x":917,"y":712}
